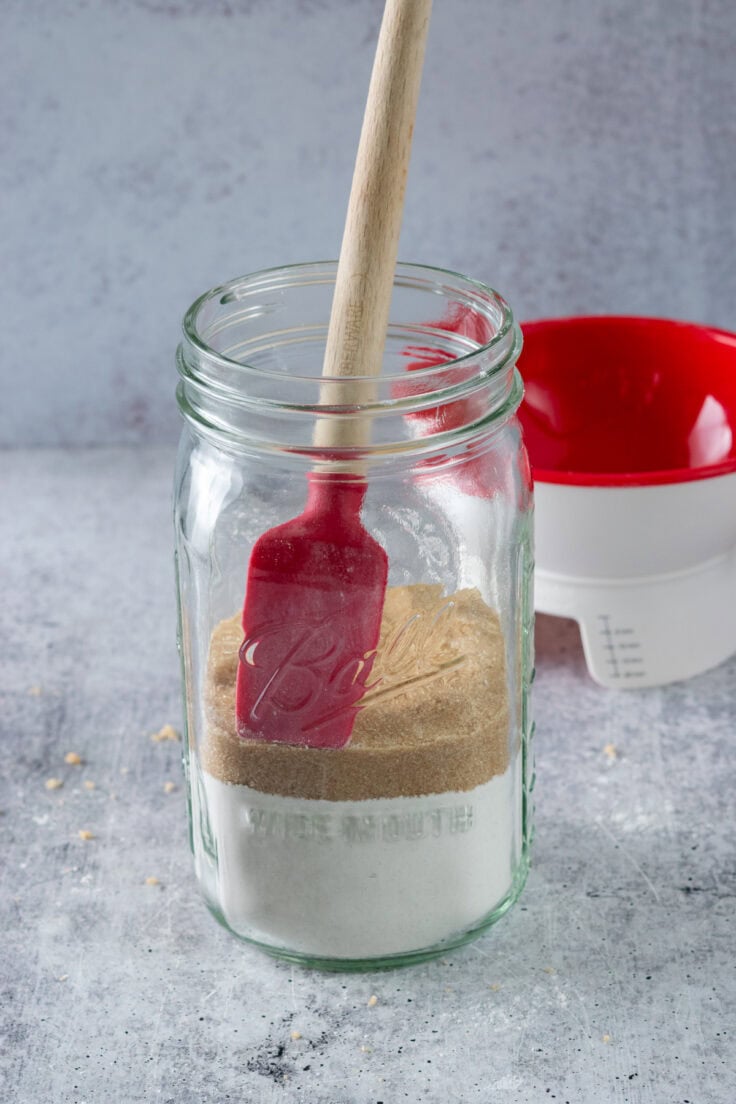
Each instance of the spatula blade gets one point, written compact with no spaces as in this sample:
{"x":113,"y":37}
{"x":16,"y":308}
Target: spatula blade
{"x":311,"y":623}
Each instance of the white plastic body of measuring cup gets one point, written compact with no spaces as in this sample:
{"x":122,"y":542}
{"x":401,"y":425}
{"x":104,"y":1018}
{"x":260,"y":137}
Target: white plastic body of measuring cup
{"x":648,"y":572}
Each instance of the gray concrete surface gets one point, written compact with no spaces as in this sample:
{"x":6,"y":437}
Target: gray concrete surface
{"x":577,"y":154}
{"x":612,"y":980}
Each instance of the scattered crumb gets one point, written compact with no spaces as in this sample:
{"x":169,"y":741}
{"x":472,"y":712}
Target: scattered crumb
{"x":366,"y":1050}
{"x":88,"y":784}
{"x":373,"y":1001}
{"x":169,"y":787}
{"x":73,"y":759}
{"x":35,"y":691}
{"x":62,"y":977}
{"x":125,"y":770}
{"x":296,"y":1035}
{"x":549,"y":970}
{"x":152,"y":881}
{"x":53,"y":783}
{"x":611,"y":751}
{"x":495,"y":987}
{"x":606,"y":1038}
{"x":168,"y":732}
{"x":85,"y":834}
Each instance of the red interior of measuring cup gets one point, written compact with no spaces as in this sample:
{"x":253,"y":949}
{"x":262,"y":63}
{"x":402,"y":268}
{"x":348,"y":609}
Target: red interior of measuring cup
{"x":619,"y":401}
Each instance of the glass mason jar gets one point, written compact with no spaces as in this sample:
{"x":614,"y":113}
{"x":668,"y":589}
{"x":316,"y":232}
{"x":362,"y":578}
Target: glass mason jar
{"x":358,"y":738}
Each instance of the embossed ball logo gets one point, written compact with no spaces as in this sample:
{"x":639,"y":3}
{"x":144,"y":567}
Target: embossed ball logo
{"x":306,"y":683}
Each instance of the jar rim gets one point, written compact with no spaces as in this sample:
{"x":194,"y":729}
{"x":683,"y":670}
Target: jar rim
{"x":504,"y":344}
{"x":461,"y":377}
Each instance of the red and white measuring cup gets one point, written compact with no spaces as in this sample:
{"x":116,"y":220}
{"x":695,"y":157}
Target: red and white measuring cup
{"x":630,"y":425}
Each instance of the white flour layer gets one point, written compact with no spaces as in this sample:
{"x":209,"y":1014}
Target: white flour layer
{"x":359,"y":879}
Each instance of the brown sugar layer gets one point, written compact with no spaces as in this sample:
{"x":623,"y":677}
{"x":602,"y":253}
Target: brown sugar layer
{"x":435,"y":721}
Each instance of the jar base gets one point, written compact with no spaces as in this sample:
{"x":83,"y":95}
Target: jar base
{"x":391,"y":961}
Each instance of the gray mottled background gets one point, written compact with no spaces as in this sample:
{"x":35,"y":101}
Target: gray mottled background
{"x":578,"y":154}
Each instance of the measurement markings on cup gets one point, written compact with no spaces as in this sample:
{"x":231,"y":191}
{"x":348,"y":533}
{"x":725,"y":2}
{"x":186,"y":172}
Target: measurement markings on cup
{"x":607,"y":634}
{"x":623,"y":648}
{"x":634,"y":663}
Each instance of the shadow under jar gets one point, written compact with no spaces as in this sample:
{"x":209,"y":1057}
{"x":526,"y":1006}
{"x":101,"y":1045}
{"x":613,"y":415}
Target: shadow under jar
{"x":412,"y":837}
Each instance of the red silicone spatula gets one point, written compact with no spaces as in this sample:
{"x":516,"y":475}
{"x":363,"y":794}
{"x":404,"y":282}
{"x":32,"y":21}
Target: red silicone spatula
{"x":316,"y":585}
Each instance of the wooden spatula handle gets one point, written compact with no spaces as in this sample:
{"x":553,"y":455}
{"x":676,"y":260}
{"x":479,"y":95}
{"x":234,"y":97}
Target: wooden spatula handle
{"x":364,"y":282}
